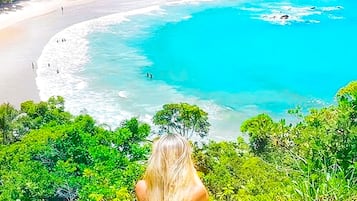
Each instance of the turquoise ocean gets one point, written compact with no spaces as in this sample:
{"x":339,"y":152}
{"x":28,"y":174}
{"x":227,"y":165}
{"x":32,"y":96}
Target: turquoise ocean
{"x":235,"y":59}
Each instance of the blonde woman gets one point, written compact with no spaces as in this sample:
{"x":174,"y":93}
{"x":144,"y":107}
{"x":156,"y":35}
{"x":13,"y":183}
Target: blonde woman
{"x":170,"y":175}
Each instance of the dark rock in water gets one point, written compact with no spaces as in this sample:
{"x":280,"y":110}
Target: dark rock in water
{"x":284,"y":17}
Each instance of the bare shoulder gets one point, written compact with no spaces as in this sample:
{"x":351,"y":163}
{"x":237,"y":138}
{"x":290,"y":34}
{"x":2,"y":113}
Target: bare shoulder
{"x":199,"y":192}
{"x":140,"y":190}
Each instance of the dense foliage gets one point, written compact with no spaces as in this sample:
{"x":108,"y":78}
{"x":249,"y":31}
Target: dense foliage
{"x":314,"y":159}
{"x":182,"y":118}
{"x":49,"y":154}
{"x":319,"y":152}
{"x":231,"y":172}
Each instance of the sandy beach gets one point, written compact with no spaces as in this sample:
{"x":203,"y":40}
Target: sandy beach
{"x":24,"y":33}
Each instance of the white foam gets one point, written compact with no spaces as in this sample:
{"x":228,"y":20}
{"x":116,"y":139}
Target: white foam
{"x":312,"y":21}
{"x":109,"y":106}
{"x":70,"y":56}
{"x":123,"y":94}
{"x":138,"y":97}
{"x":331,"y":8}
{"x":251,"y":9}
{"x":274,"y":12}
{"x":186,"y":2}
{"x":334,"y":17}
{"x":187,"y":17}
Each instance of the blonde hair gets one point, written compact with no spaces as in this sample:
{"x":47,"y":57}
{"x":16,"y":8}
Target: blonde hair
{"x":170,"y":172}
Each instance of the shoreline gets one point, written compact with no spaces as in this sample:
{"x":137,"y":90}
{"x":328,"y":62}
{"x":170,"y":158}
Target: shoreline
{"x":64,"y":81}
{"x":27,"y":9}
{"x":22,"y":40}
{"x":29,"y":38}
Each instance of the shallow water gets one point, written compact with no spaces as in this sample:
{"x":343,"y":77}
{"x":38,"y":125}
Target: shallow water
{"x":234,"y":60}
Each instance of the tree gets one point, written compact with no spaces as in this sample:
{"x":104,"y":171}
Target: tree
{"x":348,"y":93}
{"x":260,"y":129}
{"x":43,"y":113}
{"x":182,"y":118}
{"x":347,"y":100}
{"x":8,"y":115}
{"x":63,"y":157}
{"x":230,"y":172}
{"x":318,"y":152}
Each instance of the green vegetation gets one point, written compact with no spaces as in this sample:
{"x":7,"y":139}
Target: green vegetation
{"x":182,"y":118}
{"x":231,"y":172}
{"x":6,"y":1}
{"x":48,"y":154}
{"x":315,"y":159}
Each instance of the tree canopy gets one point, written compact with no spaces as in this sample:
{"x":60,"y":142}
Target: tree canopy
{"x":319,"y":152}
{"x":62,"y":157}
{"x":48,"y":154}
{"x":182,"y":118}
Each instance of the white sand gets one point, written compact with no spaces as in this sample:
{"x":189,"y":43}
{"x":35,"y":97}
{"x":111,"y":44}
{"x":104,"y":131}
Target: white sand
{"x":24,"y":33}
{"x":28,"y":9}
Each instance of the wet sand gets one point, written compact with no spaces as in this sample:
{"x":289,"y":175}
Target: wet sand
{"x":22,"y":42}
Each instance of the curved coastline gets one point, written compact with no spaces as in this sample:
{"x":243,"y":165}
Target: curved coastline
{"x":22,"y":43}
{"x":74,"y":37}
{"x":66,"y":53}
{"x":57,"y":68}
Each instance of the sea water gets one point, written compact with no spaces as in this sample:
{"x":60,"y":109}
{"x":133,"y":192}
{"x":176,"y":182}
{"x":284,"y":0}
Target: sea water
{"x":234,"y":59}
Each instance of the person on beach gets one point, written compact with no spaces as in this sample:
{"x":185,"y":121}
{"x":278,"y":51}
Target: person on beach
{"x":149,"y":75}
{"x":33,"y":66}
{"x":62,"y":9}
{"x":170,"y":174}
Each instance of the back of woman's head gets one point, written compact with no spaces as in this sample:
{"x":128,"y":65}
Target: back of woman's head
{"x":170,"y":169}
